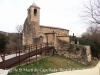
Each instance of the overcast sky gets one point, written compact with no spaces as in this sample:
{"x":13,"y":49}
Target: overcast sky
{"x":57,"y":13}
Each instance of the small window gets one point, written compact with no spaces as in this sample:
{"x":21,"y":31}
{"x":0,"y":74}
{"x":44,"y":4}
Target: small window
{"x":35,"y":12}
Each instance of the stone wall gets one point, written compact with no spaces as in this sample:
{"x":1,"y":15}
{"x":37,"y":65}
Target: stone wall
{"x":51,"y":38}
{"x":64,"y":38}
{"x":53,"y":33}
{"x":58,"y":31}
{"x":28,"y":32}
{"x":31,"y":31}
{"x":81,"y":54}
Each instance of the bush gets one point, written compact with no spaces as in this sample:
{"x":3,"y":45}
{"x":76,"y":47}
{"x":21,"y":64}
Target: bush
{"x":94,"y":44}
{"x":3,"y":41}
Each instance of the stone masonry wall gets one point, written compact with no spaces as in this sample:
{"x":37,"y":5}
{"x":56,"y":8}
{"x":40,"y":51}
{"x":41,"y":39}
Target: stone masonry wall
{"x":28,"y":33}
{"x":58,"y":31}
{"x":81,"y":54}
{"x":64,"y":38}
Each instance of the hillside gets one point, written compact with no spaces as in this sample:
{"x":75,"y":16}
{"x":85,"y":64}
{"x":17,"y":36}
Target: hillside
{"x":14,"y":39}
{"x":49,"y":65}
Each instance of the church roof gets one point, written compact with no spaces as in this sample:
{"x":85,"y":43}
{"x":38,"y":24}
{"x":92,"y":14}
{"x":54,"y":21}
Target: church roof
{"x":34,"y":5}
{"x":52,"y":27}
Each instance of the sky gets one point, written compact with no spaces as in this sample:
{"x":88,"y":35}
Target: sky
{"x":58,"y":13}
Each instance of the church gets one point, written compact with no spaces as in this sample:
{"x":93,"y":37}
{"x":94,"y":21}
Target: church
{"x":34,"y":33}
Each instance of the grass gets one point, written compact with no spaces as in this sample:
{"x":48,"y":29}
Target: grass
{"x":92,"y":64}
{"x":49,"y":65}
{"x":78,"y":45}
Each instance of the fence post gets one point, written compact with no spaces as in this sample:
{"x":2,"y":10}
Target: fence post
{"x":36,"y":51}
{"x":45,"y":46}
{"x":29,"y":53}
{"x":16,"y":51}
{"x":3,"y":60}
{"x":46,"y":49}
{"x":41,"y":50}
{"x":19,"y":56}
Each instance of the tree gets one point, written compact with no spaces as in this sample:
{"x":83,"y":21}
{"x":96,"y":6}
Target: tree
{"x":19,"y":29}
{"x":92,"y":37}
{"x":3,"y":41}
{"x":92,"y":12}
{"x":74,"y":38}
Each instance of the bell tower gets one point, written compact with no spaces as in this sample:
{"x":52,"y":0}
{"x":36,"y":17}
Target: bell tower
{"x":34,"y":18}
{"x":31,"y":28}
{"x":34,"y":13}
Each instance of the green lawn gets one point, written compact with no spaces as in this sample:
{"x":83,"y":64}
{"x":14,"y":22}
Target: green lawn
{"x":49,"y":65}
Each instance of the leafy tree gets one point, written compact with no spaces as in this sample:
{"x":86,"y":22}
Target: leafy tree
{"x":92,"y":37}
{"x":3,"y":41}
{"x":91,"y":14}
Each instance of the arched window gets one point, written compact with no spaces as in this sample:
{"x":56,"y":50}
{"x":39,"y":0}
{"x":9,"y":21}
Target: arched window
{"x":35,"y":12}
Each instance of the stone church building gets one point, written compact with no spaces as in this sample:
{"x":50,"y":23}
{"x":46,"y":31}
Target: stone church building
{"x":34,"y":33}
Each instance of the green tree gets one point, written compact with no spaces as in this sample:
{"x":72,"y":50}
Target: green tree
{"x":3,"y":41}
{"x":92,"y":37}
{"x":91,"y":14}
{"x":74,"y":38}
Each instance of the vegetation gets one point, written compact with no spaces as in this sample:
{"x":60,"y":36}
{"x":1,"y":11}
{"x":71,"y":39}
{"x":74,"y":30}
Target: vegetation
{"x":19,"y":29}
{"x":92,"y":37}
{"x":49,"y":65}
{"x":91,"y":14}
{"x":3,"y":41}
{"x":73,"y":38}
